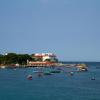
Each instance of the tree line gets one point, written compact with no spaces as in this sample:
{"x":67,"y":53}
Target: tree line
{"x":13,"y":58}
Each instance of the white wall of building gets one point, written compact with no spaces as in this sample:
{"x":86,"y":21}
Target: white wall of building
{"x":45,"y":56}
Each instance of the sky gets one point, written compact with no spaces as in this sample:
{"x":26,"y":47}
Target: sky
{"x":68,"y":28}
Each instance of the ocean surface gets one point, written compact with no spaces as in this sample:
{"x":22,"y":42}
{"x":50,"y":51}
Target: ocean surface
{"x":14,"y":84}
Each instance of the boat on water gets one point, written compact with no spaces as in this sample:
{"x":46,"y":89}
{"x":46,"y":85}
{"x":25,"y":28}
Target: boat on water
{"x":55,"y":71}
{"x":71,"y":73}
{"x":29,"y":77}
{"x":47,"y":73}
{"x":93,"y":78}
{"x":82,"y":67}
{"x":37,"y":71}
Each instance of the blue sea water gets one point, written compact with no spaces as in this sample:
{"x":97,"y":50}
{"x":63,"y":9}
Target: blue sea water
{"x":15,"y":86}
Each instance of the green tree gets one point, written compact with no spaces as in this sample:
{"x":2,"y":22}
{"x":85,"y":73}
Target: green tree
{"x":10,"y":58}
{"x":1,"y":59}
{"x":22,"y":58}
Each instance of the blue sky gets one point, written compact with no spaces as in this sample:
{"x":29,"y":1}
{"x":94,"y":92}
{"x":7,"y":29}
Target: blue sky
{"x":68,"y":28}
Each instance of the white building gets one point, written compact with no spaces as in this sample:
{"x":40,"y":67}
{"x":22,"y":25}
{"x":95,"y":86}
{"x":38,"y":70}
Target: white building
{"x":46,"y":56}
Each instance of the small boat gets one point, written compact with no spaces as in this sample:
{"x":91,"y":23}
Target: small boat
{"x":82,"y":67}
{"x":47,"y":73}
{"x":93,"y":78}
{"x":37,"y":71}
{"x":70,"y":73}
{"x":55,"y":71}
{"x":29,"y":77}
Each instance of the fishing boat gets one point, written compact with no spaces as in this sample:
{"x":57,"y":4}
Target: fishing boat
{"x":71,"y":73}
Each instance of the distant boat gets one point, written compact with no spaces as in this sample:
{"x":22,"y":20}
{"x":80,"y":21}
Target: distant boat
{"x":29,"y":77}
{"x":37,"y":71}
{"x":47,"y":73}
{"x":70,"y":73}
{"x":93,"y":78}
{"x":82,"y":67}
{"x":55,"y":71}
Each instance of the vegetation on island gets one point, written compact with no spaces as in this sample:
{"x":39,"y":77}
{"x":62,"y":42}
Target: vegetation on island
{"x":13,"y":58}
